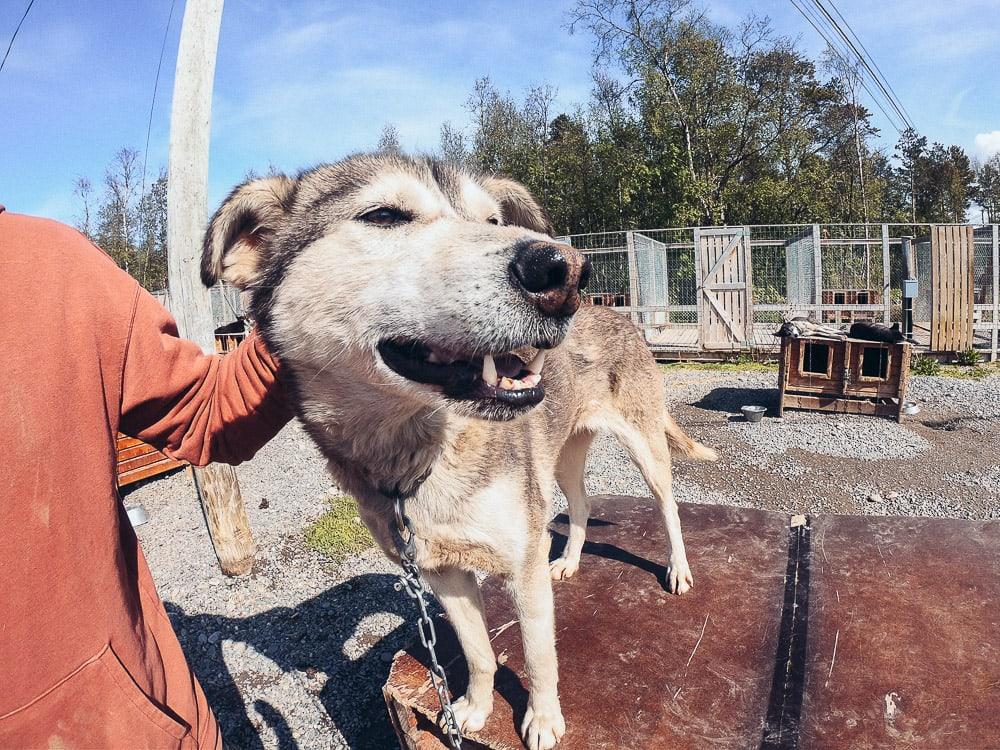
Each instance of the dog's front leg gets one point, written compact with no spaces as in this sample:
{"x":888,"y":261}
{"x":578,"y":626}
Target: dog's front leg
{"x":543,"y":724}
{"x":458,"y":592}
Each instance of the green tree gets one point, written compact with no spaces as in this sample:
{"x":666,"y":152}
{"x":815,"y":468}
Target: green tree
{"x":987,"y":188}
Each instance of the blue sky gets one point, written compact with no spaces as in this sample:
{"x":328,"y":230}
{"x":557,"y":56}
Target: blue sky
{"x":306,"y":81}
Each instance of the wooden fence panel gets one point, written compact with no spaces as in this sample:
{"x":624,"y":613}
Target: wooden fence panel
{"x":951,"y":287}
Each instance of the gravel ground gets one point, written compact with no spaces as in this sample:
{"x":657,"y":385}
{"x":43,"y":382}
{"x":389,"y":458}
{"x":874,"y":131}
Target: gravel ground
{"x":294,"y":654}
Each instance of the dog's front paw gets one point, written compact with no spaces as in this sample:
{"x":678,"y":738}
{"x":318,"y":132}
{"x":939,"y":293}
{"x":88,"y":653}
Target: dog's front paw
{"x":471,"y":717}
{"x":679,"y":579}
{"x":542,"y":729}
{"x":561,"y":568}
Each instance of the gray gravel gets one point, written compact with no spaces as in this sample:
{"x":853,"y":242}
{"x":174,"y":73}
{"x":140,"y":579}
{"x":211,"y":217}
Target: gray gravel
{"x":294,"y":654}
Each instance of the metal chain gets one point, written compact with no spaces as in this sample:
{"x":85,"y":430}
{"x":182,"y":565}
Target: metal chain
{"x":410,"y":582}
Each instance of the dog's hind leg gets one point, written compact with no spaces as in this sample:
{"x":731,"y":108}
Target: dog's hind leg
{"x":569,"y":474}
{"x":459,"y":594}
{"x":649,"y":450}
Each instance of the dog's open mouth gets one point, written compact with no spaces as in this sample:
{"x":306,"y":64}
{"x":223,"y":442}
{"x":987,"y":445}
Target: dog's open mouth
{"x":495,"y":378}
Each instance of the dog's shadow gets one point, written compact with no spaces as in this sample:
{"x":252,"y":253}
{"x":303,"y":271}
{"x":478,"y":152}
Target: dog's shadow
{"x":312,"y":638}
{"x":605,"y":550}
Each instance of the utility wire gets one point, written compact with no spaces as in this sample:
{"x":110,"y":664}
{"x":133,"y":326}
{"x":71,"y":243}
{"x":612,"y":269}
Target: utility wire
{"x":7,"y":53}
{"x":156,"y":84}
{"x":891,"y":98}
{"x":871,"y":59}
{"x":149,"y":126}
{"x":815,"y":23}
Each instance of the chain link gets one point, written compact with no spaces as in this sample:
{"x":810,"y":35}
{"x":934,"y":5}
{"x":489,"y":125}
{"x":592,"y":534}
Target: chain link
{"x":410,"y":582}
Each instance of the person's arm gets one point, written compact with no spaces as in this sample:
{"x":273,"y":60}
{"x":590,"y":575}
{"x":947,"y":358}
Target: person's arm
{"x":193,"y":406}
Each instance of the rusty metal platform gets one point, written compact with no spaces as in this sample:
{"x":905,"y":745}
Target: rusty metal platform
{"x":844,"y":632}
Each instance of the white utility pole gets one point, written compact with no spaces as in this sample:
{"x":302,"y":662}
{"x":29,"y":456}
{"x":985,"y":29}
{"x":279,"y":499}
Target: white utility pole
{"x":187,"y":216}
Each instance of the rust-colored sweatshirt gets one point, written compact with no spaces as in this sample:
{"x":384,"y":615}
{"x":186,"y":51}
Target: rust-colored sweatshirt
{"x":88,"y":658}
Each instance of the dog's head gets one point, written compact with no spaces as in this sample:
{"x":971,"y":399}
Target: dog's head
{"x":407,"y":274}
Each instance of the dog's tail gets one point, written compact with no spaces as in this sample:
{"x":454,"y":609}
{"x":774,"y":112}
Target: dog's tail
{"x":684,"y":444}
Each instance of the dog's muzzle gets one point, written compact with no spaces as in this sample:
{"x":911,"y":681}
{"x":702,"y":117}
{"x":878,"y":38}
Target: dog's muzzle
{"x":550,"y":275}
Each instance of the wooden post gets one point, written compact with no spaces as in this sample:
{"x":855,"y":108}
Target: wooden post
{"x":187,"y":216}
{"x":886,"y":275}
{"x":633,"y":279}
{"x":817,"y":270}
{"x":996,"y":292}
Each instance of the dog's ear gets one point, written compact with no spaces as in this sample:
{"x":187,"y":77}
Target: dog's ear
{"x":518,"y":206}
{"x":236,"y":234}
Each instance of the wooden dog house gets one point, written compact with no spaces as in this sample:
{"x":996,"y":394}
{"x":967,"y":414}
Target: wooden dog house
{"x":849,"y":376}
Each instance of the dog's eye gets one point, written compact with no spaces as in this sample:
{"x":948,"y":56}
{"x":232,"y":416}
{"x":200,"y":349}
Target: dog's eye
{"x":493,"y":220}
{"x":386,"y":217}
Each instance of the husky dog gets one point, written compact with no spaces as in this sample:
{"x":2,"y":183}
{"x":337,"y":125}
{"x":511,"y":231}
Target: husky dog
{"x":877,"y":332}
{"x":430,"y":330}
{"x":802,"y":327}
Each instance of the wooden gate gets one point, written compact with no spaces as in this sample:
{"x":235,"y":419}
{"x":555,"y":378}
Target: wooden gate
{"x":951,"y":288}
{"x":722,"y":262}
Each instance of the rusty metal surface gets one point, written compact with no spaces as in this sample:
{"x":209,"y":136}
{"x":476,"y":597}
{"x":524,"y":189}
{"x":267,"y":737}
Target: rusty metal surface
{"x":912,"y":606}
{"x":640,"y":668}
{"x":848,"y":633}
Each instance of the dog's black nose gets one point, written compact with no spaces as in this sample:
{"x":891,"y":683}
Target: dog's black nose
{"x":551,"y":275}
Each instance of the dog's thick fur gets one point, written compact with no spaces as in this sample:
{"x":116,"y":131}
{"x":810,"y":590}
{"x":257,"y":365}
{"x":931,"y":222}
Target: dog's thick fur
{"x":327,"y":288}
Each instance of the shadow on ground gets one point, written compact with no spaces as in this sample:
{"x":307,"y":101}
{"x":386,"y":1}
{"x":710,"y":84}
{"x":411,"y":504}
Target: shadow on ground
{"x":308,"y":637}
{"x":730,"y":400}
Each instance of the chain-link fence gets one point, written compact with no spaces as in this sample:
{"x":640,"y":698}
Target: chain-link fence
{"x":835,"y":274}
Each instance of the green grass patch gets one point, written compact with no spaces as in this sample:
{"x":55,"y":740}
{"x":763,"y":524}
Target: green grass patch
{"x":977,"y":372}
{"x":339,"y":532}
{"x":721,"y":366}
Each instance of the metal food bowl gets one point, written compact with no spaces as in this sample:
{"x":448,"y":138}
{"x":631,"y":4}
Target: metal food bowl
{"x":137,"y":515}
{"x":753,"y":413}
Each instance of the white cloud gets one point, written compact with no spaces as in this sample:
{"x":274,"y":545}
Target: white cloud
{"x":987,"y":144}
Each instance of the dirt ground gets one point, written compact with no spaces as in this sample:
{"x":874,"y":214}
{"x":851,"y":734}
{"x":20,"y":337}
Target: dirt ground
{"x":293,"y":655}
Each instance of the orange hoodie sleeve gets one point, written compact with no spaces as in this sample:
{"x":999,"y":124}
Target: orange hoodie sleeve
{"x":193,"y":406}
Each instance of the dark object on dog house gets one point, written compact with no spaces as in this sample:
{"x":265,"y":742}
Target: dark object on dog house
{"x":850,"y":376}
{"x":824,"y":633}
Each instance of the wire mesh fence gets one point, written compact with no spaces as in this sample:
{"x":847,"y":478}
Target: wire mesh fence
{"x":833,"y":273}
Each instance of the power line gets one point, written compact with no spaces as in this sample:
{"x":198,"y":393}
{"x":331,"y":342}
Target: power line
{"x":890,"y":100}
{"x":156,"y":84}
{"x":872,"y":60}
{"x":815,"y":22}
{"x":7,"y":53}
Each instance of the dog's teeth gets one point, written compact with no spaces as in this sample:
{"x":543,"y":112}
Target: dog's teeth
{"x":490,"y":371}
{"x":507,"y":384}
{"x":531,"y":380}
{"x":535,"y":365}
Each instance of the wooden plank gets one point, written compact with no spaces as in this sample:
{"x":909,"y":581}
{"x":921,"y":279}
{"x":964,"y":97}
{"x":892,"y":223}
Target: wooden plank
{"x":144,"y":460}
{"x":135,"y":451}
{"x":699,"y":285}
{"x":783,"y":373}
{"x":748,"y":298}
{"x":124,"y":441}
{"x":963,"y":291}
{"x":150,"y":470}
{"x":840,"y":405}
